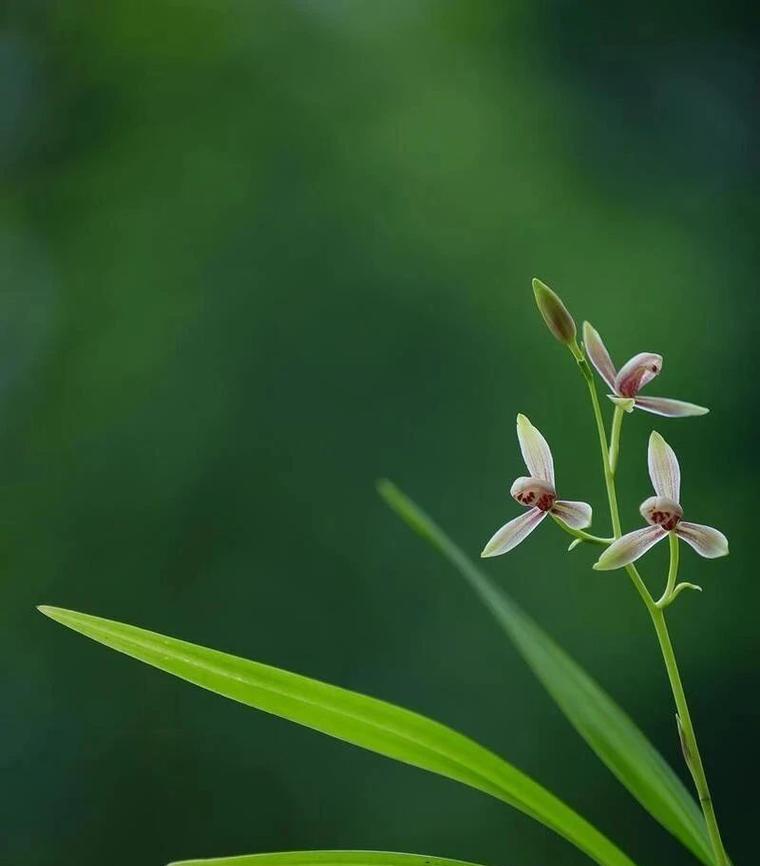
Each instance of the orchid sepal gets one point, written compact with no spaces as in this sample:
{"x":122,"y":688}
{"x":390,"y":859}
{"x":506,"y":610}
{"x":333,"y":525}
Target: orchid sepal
{"x":666,"y":407}
{"x":512,"y":533}
{"x":629,"y":547}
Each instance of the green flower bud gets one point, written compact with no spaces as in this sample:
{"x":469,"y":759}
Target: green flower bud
{"x":557,"y":318}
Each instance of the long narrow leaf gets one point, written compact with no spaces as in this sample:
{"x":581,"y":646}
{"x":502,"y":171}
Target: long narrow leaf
{"x":327,"y":858}
{"x":363,"y":721}
{"x":598,"y":719}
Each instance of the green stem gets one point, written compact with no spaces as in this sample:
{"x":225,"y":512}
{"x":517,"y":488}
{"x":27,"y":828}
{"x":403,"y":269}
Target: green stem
{"x":668,"y":595}
{"x":689,"y":740}
{"x":580,"y":534}
{"x":617,"y":423}
{"x":609,"y":475}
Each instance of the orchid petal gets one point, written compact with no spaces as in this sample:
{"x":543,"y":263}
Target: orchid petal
{"x":708,"y":542}
{"x":669,"y":408}
{"x":661,"y":511}
{"x":634,"y":374}
{"x":533,"y":492}
{"x":629,"y":548}
{"x":512,"y":533}
{"x":523,"y":483}
{"x":535,"y":451}
{"x":664,"y":469}
{"x":599,"y":355}
{"x":576,"y":515}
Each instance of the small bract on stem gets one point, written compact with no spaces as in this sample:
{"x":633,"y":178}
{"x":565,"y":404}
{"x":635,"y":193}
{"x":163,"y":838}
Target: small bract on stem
{"x":662,"y":512}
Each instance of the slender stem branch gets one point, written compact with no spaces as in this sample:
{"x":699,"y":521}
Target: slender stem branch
{"x":641,"y":587}
{"x":580,"y":534}
{"x":609,"y":477}
{"x":617,"y":424}
{"x":686,"y":727}
{"x":668,"y":595}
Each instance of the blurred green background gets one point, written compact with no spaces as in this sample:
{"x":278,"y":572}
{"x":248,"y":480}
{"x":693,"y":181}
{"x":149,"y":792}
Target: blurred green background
{"x":256,"y":255}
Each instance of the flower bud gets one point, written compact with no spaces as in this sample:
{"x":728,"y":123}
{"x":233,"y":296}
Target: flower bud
{"x":557,"y":318}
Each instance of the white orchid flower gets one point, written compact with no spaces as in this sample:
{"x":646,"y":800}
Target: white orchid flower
{"x":663,"y":513}
{"x":537,"y":492}
{"x":631,"y":378}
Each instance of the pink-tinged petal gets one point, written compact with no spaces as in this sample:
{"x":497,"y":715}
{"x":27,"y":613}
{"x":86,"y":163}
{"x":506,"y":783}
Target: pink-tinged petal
{"x":661,"y":511}
{"x":629,"y":548}
{"x":512,"y":533}
{"x":625,"y":403}
{"x":669,"y":408}
{"x":575,"y":514}
{"x":664,"y":469}
{"x":535,"y":451}
{"x":708,"y":542}
{"x":533,"y":492}
{"x":634,"y":374}
{"x":599,"y":355}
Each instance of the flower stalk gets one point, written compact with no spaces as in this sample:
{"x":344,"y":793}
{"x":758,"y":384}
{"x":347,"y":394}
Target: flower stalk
{"x":689,"y":738}
{"x":656,"y":613}
{"x":617,"y":425}
{"x":609,"y":474}
{"x":662,"y":512}
{"x":580,"y":535}
{"x":670,"y":587}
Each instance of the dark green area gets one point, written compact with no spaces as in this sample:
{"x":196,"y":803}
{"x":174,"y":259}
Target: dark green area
{"x":256,"y":255}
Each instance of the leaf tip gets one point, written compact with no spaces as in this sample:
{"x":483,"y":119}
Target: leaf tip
{"x":59,"y":614}
{"x":390,"y":494}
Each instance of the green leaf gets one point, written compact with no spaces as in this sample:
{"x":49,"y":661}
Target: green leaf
{"x":598,"y":719}
{"x":327,"y":858}
{"x":363,"y":721}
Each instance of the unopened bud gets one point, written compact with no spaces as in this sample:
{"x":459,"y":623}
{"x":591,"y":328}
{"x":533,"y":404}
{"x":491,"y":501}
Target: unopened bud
{"x":557,"y":318}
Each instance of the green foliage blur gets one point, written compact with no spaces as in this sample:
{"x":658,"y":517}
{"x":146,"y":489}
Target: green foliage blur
{"x":256,"y":255}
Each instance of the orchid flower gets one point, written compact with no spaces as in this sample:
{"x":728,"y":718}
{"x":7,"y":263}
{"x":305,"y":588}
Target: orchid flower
{"x":663,"y":513}
{"x":537,"y":492}
{"x":631,"y":378}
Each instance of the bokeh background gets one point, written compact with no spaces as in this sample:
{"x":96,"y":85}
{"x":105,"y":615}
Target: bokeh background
{"x":256,"y":255}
